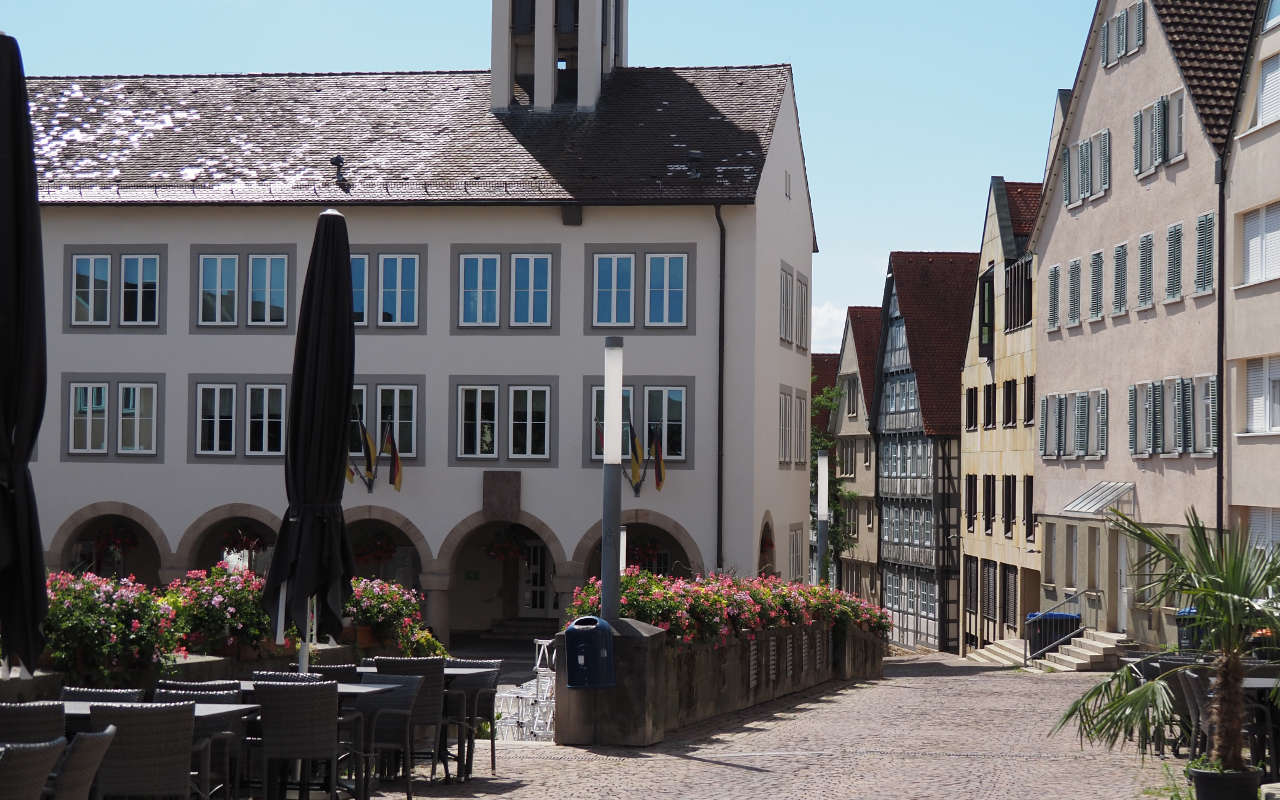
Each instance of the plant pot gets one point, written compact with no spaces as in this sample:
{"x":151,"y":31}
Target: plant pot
{"x":1211,"y":785}
{"x":248,"y":652}
{"x":348,"y":634}
{"x":366,"y":636}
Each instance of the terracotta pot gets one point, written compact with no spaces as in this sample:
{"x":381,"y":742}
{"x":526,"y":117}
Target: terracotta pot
{"x":248,"y":652}
{"x":366,"y":636}
{"x":348,"y":634}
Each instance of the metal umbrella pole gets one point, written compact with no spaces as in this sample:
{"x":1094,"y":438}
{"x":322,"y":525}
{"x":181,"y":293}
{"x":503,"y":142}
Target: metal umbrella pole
{"x":610,"y":547}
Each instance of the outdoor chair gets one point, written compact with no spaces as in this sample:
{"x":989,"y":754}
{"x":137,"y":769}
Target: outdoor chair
{"x":287,"y":677}
{"x":299,"y":723}
{"x":481,"y":693}
{"x":428,"y":709}
{"x":342,"y":673}
{"x":349,"y":725}
{"x":199,"y":686}
{"x":389,"y":722}
{"x":24,"y":768}
{"x":152,"y":750}
{"x":83,"y":693}
{"x":73,"y":777}
{"x":224,"y":734}
{"x":29,"y":723}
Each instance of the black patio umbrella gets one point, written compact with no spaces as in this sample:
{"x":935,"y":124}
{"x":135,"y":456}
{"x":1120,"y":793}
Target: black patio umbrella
{"x":312,"y":557}
{"x":23,"y":602}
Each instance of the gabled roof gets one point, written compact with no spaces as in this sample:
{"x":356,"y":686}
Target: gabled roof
{"x":865,"y":323}
{"x":406,"y":137}
{"x":824,"y":367}
{"x":1210,"y":41}
{"x":935,"y":297}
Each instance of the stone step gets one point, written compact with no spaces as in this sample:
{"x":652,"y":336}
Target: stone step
{"x":1044,"y":665}
{"x":1081,"y":653}
{"x":1010,"y":650}
{"x":1063,"y":661}
{"x":1106,"y":637}
{"x":979,"y":657}
{"x":1092,"y":647}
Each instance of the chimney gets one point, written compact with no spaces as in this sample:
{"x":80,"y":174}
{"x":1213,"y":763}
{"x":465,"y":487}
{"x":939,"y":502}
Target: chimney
{"x":501,"y":56}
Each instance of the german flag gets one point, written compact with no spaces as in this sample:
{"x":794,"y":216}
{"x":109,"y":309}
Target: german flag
{"x":637,"y":455}
{"x":396,"y":474}
{"x":370,"y":455}
{"x":655,"y":452}
{"x":351,"y":471}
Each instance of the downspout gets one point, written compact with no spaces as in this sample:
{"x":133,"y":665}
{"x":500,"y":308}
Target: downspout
{"x":1220,"y":177}
{"x":720,"y":406}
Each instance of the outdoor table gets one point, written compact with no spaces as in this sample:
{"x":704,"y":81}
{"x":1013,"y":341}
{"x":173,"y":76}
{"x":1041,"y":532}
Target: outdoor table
{"x":1260,"y":682}
{"x":344,"y":689}
{"x":79,"y":709}
{"x":449,"y":672}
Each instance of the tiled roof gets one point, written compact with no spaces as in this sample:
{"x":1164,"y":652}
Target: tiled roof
{"x":1024,"y":203}
{"x":408,"y":137}
{"x":935,"y":296}
{"x":1210,"y":41}
{"x":824,"y":367}
{"x":865,"y":323}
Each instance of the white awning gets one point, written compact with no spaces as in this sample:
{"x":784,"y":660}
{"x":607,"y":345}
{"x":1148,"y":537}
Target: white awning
{"x":1100,"y":498}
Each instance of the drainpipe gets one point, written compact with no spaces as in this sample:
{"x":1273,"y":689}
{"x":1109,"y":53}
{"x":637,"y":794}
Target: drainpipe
{"x":720,"y":406}
{"x":1220,"y":177}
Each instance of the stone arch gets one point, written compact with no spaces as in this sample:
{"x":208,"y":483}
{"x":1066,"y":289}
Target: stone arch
{"x":396,"y":520}
{"x":458,"y":534}
{"x":57,"y":555}
{"x":641,"y":516}
{"x":769,"y":538}
{"x":189,"y":545}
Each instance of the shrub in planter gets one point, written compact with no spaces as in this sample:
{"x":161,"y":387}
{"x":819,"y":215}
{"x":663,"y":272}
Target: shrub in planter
{"x":218,"y":609}
{"x":106,"y":631}
{"x":382,"y":605}
{"x":416,"y":640}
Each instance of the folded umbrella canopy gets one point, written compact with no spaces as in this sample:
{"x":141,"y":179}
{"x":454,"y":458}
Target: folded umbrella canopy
{"x":23,"y":602}
{"x":312,"y":557}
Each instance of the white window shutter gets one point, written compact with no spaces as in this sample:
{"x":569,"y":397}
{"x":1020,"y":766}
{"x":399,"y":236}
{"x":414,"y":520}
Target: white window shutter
{"x":1148,"y":396}
{"x":1254,"y":262}
{"x":1173,"y":283}
{"x":1157,"y":416}
{"x":1044,"y":425}
{"x":1104,"y":161}
{"x":1066,"y":176}
{"x":1133,"y":419}
{"x":1260,"y":527}
{"x":1271,"y":241}
{"x":1102,"y":422}
{"x":1062,"y":424}
{"x":1179,"y":411}
{"x":1214,"y":424}
{"x":1120,"y":298}
{"x":1082,"y":423}
{"x":1137,"y":143}
{"x":1269,"y":91}
{"x":1140,"y":24}
{"x":1086,"y":168}
{"x":1256,"y":394}
{"x":1157,"y":132}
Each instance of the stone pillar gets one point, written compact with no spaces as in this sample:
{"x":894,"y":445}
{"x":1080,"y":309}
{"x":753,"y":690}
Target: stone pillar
{"x":436,"y":588}
{"x":544,"y":55}
{"x":500,"y":79}
{"x":590,"y":53}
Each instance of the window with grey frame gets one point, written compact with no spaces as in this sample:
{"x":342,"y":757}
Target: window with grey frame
{"x":529,"y":428}
{"x":266,"y":409}
{"x":665,"y":419}
{"x":219,"y":275}
{"x":397,"y":290}
{"x":215,"y":419}
{"x":88,"y":418}
{"x":139,"y":290}
{"x":268,"y":289}
{"x":597,"y":421}
{"x":477,"y":421}
{"x":136,"y":431}
{"x":614,"y":276}
{"x":786,"y":293}
{"x":91,"y":290}
{"x":360,"y":289}
{"x":479,"y":289}
{"x":398,"y":414}
{"x":666,"y":295}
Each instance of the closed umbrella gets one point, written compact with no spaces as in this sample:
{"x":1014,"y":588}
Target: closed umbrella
{"x":312,"y":558}
{"x":23,"y":602}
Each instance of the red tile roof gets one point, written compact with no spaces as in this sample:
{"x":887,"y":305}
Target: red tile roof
{"x":865,"y":322}
{"x":1210,"y":41}
{"x":1024,"y":204}
{"x":935,"y":296}
{"x":824,"y":367}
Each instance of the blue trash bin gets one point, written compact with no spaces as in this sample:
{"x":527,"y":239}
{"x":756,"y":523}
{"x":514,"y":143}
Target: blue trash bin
{"x":1043,"y":629}
{"x":588,"y":644}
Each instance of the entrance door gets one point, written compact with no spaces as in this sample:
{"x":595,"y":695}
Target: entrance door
{"x":536,"y":596}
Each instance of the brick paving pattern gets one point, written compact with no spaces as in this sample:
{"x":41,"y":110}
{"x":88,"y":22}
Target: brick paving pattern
{"x":936,"y":727}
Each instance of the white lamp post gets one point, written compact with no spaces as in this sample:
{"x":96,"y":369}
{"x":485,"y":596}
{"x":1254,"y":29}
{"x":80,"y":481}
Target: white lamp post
{"x":610,"y":547}
{"x":824,"y":517}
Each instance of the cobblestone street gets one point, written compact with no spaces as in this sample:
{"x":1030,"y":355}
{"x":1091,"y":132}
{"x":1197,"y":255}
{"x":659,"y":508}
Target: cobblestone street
{"x":935,"y":727}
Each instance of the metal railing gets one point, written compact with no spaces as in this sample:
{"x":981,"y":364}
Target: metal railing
{"x":1068,"y":605}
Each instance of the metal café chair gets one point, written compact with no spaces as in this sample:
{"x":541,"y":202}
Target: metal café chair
{"x":73,"y":777}
{"x":152,"y":750}
{"x":31,"y":722}
{"x":91,"y":695}
{"x":24,"y":768}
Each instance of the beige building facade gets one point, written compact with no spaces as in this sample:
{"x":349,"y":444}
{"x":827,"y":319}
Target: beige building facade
{"x":1000,"y":570}
{"x":855,"y":461}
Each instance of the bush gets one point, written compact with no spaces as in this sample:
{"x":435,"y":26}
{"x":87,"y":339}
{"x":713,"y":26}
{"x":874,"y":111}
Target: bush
{"x":106,"y":631}
{"x":714,"y":607}
{"x":416,"y":641}
{"x":382,"y":605}
{"x":219,"y":608}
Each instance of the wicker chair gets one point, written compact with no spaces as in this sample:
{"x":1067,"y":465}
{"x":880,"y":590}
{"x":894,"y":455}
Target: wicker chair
{"x":428,"y":709}
{"x":288,"y":677}
{"x":224,"y":734}
{"x":299,"y":723}
{"x":481,"y":692}
{"x":73,"y":777}
{"x":199,"y":686}
{"x":342,"y":673}
{"x":350,"y":726}
{"x":86,"y":694}
{"x":389,"y":721}
{"x":151,"y":753}
{"x":31,"y":722}
{"x":24,"y":768}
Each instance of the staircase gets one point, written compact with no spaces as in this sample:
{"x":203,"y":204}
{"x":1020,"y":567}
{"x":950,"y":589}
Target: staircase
{"x":528,"y":628}
{"x":1093,"y":651}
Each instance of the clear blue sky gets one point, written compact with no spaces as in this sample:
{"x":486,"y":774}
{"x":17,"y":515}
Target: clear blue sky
{"x":906,"y":109}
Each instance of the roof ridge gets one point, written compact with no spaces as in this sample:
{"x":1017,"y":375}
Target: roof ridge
{"x":373,"y":73}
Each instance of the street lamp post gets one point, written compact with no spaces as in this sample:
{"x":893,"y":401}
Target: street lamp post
{"x":824,"y":516}
{"x":610,"y":546}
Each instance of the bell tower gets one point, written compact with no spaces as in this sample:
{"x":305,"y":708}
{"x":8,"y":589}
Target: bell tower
{"x":555,"y":54}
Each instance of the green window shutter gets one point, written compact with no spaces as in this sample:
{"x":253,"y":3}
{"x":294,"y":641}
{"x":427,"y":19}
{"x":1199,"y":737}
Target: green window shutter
{"x":1214,"y":425}
{"x":1104,"y":42}
{"x":1145,"y":279}
{"x":1137,"y":143}
{"x":1150,"y":432}
{"x":1179,"y":411}
{"x":1188,"y":415}
{"x":1174,"y":288}
{"x":1062,"y":424}
{"x":1122,"y":32}
{"x":1044,"y":425}
{"x":1120,"y":299}
{"x":1157,"y":132}
{"x":1157,"y":416}
{"x":1066,"y":176}
{"x":1104,"y":161}
{"x":1053,"y":297}
{"x":1086,"y":168}
{"x":1140,"y":24}
{"x":1102,"y":422}
{"x":1073,"y":292}
{"x":1133,"y":419}
{"x":1095,"y":286}
{"x":1082,"y":423}
{"x":1204,"y":253}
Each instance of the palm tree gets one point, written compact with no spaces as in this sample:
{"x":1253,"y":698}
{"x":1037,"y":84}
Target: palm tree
{"x":1229,"y":582}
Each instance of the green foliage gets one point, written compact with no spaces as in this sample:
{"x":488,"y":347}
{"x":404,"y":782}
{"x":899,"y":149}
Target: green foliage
{"x":1228,"y":582}
{"x":218,"y":608}
{"x":416,"y":640}
{"x":838,"y":537}
{"x":106,"y":631}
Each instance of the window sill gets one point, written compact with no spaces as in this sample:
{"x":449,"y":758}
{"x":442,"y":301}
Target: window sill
{"x":1204,"y":455}
{"x":1252,"y":284}
{"x":1097,"y":318}
{"x":1147,"y":173}
{"x":1075,"y":324}
{"x":1144,"y":307}
{"x":1257,"y":128}
{"x":1171,"y":455}
{"x":1097,"y":195}
{"x":1121,"y":313}
{"x":1169,"y":301}
{"x":1069,"y":458}
{"x":1142,"y":456}
{"x":1052,"y":329}
{"x":1095,"y":457}
{"x":1053,"y":587}
{"x":1075,"y":205}
{"x":1179,"y":158}
{"x":1257,"y":434}
{"x":1205,"y":293}
{"x":988,"y":427}
{"x":971,"y":429}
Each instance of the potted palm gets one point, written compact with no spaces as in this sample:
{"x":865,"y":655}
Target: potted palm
{"x":1228,"y":582}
